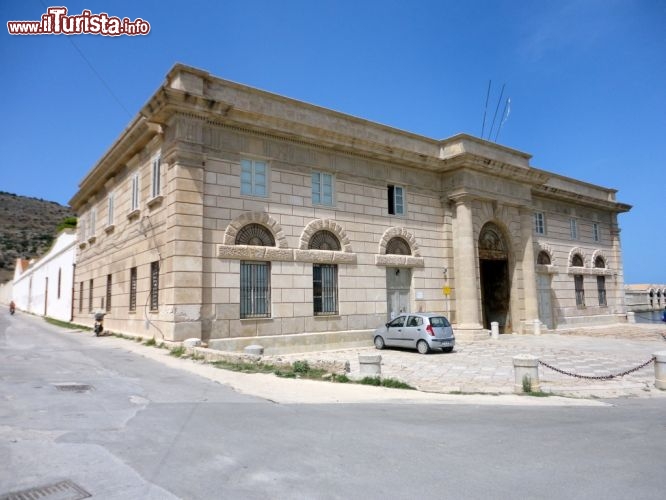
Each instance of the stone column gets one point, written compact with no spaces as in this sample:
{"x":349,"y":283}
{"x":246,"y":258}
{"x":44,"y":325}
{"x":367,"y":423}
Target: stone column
{"x":618,"y":282}
{"x":528,"y":267}
{"x":183,"y":273}
{"x":465,"y":262}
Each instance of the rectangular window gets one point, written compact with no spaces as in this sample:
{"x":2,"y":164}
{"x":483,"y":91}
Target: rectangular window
{"x":93,"y":219}
{"x":154,"y":285}
{"x":601,"y":290}
{"x":573,"y":227}
{"x":90,"y":297}
{"x":322,"y":189}
{"x":255,"y":289}
{"x":254,"y":177}
{"x":595,"y":231}
{"x":59,"y":281}
{"x":539,"y":223}
{"x":396,"y":200}
{"x":135,"y":193}
{"x":325,"y":288}
{"x":108,"y":292}
{"x":156,"y":191}
{"x":109,"y":218}
{"x":580,"y":292}
{"x":132,"y":290}
{"x":81,"y":297}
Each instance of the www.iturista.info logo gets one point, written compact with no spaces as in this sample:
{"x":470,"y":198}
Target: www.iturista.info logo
{"x":57,"y":22}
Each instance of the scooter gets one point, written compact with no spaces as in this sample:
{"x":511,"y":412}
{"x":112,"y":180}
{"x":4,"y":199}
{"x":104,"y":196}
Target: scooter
{"x":99,"y":324}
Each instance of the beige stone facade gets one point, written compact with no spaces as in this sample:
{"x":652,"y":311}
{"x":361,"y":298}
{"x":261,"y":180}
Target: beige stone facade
{"x":274,"y":217}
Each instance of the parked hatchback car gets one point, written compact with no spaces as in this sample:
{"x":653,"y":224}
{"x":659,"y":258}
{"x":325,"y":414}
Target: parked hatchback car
{"x":423,"y":331}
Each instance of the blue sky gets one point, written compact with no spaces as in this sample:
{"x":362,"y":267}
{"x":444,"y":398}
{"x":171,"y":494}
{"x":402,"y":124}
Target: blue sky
{"x":587,"y":82}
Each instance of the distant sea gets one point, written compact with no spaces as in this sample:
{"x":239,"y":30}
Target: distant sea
{"x":648,"y":317}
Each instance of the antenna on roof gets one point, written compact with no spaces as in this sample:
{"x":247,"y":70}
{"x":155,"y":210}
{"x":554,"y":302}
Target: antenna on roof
{"x":496,"y":110}
{"x":505,"y":114}
{"x":483,"y":125}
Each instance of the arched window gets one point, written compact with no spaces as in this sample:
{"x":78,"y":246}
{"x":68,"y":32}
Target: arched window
{"x":324,"y":240}
{"x":398,"y":246}
{"x":256,"y":235}
{"x":577,"y":261}
{"x":599,"y":262}
{"x":543,"y":258}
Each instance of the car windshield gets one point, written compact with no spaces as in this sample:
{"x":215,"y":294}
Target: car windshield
{"x":439,"y":321}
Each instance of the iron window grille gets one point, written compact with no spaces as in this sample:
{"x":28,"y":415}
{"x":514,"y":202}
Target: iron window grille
{"x":132,"y":290}
{"x":90,"y":297}
{"x":580,"y":291}
{"x":255,"y":289}
{"x":325,"y":289}
{"x":108,"y":292}
{"x":154,"y":285}
{"x":601,"y":290}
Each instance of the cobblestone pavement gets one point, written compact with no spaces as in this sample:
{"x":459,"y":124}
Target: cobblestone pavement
{"x":486,"y":366}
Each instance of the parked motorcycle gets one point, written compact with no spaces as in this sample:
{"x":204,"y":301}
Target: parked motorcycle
{"x":99,"y":324}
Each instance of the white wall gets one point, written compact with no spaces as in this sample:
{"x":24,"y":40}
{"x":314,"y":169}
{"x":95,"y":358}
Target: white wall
{"x":45,"y":288}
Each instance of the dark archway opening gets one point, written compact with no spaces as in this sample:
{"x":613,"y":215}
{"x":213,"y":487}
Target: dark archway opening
{"x":495,"y":278}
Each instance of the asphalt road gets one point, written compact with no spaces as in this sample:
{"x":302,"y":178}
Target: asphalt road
{"x":144,"y":430}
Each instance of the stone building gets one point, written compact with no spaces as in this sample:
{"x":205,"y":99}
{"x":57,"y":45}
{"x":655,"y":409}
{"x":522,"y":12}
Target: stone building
{"x":44,"y":287}
{"x":645,"y":297}
{"x":223,"y":212}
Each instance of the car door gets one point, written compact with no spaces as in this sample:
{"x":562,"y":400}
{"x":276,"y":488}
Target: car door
{"x":394,"y":329}
{"x":412,"y":331}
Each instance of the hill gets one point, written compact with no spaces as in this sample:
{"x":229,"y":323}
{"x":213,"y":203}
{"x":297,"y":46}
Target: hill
{"x":28,"y":226}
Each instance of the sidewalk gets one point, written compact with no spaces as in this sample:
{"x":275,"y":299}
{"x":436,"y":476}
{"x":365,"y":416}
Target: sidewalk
{"x":486,"y":366}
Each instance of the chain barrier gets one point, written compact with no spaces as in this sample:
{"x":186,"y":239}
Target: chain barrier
{"x":599,"y":377}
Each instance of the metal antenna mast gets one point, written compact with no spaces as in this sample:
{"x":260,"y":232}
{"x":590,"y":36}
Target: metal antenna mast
{"x":496,"y":110}
{"x":485,"y":109}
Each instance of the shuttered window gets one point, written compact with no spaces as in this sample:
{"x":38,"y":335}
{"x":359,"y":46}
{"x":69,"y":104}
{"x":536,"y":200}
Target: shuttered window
{"x":132,"y":290}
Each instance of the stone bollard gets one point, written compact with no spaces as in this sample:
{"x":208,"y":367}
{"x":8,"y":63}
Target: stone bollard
{"x":254,"y":350}
{"x":371,"y":364}
{"x":526,"y":365}
{"x":494,"y":330}
{"x":631,"y":317}
{"x":537,"y":327}
{"x":660,"y":370}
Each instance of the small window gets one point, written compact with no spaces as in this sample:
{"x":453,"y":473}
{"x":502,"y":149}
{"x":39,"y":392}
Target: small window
{"x":543,"y":258}
{"x":109,"y":219}
{"x":580,"y":291}
{"x":90,"y":296}
{"x":156,"y":188}
{"x":254,"y":177}
{"x":601,"y":290}
{"x":154,"y":285}
{"x":59,"y":281}
{"x":81,"y":297}
{"x":325,"y":288}
{"x":108,"y":292}
{"x":573,"y":228}
{"x":539,"y":223}
{"x":255,"y":289}
{"x":577,"y":261}
{"x":599,"y":262}
{"x":595,"y":231}
{"x":135,"y":192}
{"x":132,"y":290}
{"x":396,"y":200}
{"x":322,"y":189}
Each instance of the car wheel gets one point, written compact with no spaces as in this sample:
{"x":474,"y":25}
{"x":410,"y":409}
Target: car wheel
{"x":447,"y":349}
{"x":422,"y":347}
{"x":379,"y":342}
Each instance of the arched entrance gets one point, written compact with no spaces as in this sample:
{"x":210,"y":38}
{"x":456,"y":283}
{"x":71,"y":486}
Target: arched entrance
{"x":494,"y":277}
